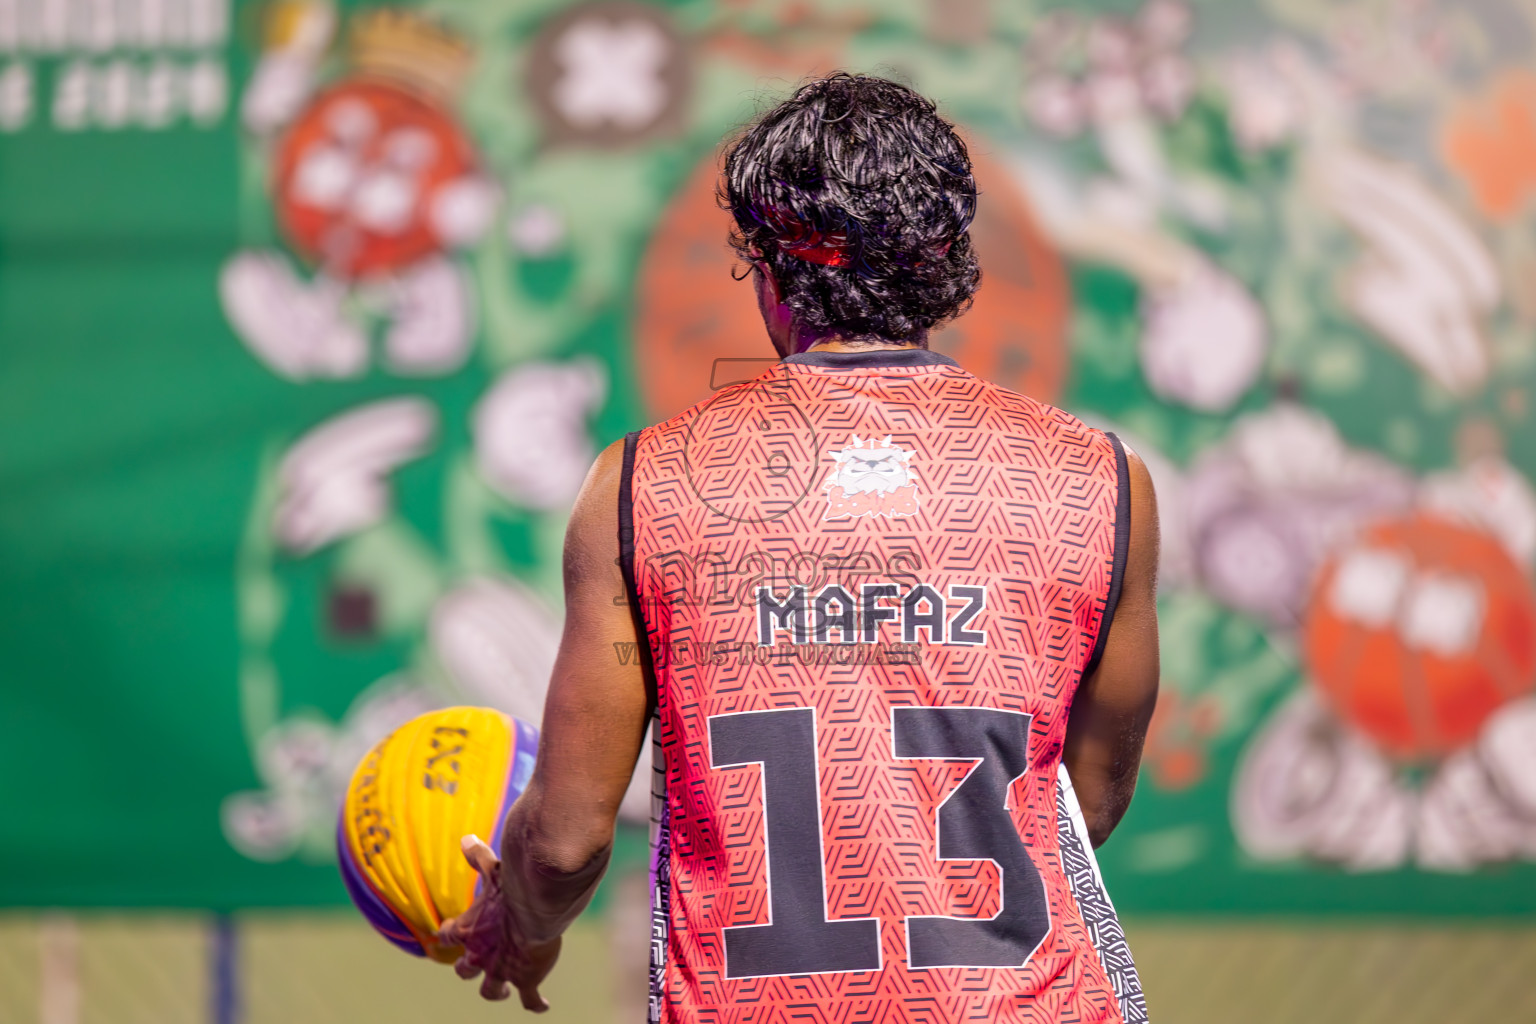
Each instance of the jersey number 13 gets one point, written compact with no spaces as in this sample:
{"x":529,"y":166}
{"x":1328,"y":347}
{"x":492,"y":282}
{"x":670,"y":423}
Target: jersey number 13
{"x":973,"y":823}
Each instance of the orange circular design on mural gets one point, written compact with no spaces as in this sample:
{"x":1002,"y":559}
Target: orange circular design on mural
{"x":697,"y":329}
{"x":356,"y":173}
{"x":1419,"y":631}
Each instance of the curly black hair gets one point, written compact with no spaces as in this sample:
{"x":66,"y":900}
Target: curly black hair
{"x":867,"y":166}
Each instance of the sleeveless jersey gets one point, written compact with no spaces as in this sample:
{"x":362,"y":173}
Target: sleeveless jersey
{"x":870,"y":583}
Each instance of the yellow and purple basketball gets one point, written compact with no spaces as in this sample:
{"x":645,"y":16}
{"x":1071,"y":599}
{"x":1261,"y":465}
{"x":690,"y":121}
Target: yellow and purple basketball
{"x":413,"y":796}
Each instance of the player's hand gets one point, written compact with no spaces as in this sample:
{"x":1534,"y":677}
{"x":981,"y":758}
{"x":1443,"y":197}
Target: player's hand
{"x":492,"y":942}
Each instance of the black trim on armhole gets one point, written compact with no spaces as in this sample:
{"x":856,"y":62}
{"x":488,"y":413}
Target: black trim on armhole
{"x":1122,"y":546}
{"x":627,"y":563}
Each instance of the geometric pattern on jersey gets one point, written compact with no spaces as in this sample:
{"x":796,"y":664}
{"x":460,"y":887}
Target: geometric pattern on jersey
{"x":905,"y":774}
{"x":1082,"y":869}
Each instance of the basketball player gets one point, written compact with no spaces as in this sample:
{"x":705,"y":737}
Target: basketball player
{"x":884,"y":602}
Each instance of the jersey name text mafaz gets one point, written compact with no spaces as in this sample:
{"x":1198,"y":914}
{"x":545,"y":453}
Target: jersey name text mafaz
{"x":836,"y":615}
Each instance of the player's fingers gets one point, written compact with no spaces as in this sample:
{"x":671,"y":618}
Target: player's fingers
{"x":479,"y":855}
{"x":532,"y":1000}
{"x":494,"y":988}
{"x":448,"y":933}
{"x":465,"y":967}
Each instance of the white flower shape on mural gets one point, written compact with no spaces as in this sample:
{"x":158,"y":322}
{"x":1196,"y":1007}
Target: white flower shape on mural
{"x":1425,"y":280}
{"x":1203,"y":341}
{"x":498,"y":641}
{"x":530,"y":429}
{"x":611,"y":72}
{"x":1307,"y":785}
{"x":434,"y":318}
{"x":1097,"y":70}
{"x":297,"y":327}
{"x":1465,"y":820}
{"x":1490,"y":494}
{"x":335,"y":479}
{"x":1265,"y":105}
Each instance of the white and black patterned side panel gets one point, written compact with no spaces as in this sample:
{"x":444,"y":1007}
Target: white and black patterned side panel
{"x":1082,"y":870}
{"x":661,"y":890}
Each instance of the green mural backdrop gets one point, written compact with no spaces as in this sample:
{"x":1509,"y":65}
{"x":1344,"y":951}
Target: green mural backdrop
{"x":313,"y":315}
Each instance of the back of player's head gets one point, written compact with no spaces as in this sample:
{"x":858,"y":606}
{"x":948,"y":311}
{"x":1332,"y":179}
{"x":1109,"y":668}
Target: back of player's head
{"x":857,"y":196}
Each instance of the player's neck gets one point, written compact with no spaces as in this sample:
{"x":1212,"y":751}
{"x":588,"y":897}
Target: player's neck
{"x":837,"y":343}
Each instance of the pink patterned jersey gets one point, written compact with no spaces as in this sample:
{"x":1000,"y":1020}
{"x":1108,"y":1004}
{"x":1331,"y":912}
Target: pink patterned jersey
{"x":871,"y":583}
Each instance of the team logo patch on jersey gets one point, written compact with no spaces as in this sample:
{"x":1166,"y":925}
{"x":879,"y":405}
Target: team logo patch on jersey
{"x":871,"y":478}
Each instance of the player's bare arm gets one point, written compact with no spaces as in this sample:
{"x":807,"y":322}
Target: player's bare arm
{"x":559,"y":834}
{"x":1108,"y":721}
